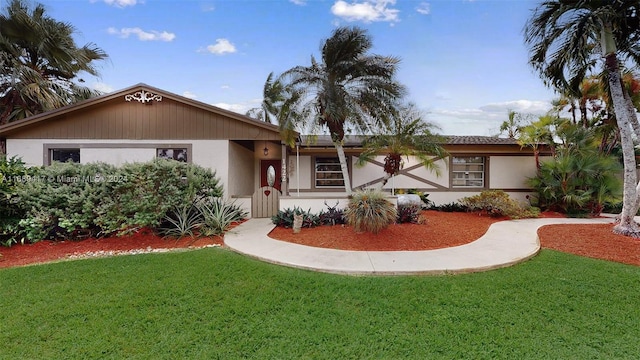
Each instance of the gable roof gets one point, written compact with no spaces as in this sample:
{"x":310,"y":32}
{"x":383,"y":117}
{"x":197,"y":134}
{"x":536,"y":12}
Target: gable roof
{"x":66,"y":111}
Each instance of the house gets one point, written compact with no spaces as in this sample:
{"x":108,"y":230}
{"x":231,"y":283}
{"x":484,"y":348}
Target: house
{"x":141,"y":122}
{"x":476,"y":163}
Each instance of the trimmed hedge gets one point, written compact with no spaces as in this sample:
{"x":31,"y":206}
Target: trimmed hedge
{"x":67,"y":200}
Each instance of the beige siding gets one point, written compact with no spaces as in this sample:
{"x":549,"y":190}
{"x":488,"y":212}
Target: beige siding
{"x":168,"y":119}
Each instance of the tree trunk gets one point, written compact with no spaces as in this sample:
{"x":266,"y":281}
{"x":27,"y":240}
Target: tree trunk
{"x":343,"y":166}
{"x":385,"y":180}
{"x":627,"y":225}
{"x":635,"y":125}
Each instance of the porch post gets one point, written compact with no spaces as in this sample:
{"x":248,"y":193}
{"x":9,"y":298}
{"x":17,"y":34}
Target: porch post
{"x":284,"y":176}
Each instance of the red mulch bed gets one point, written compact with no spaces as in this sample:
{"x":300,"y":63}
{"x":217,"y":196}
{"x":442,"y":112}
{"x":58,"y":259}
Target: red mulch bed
{"x":441,"y":230}
{"x":47,"y":251}
{"x":595,"y":241}
{"x":452,"y":229}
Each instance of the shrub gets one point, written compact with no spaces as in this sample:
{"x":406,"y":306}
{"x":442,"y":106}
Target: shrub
{"x":451,"y":207}
{"x":409,"y":214}
{"x":427,"y":203}
{"x":143,"y":193}
{"x":60,"y":200}
{"x":333,"y":215}
{"x":578,"y":183}
{"x":203,"y":217}
{"x":13,"y":173}
{"x":370,"y":211}
{"x":218,"y":215}
{"x":67,"y":200}
{"x":284,"y":218}
{"x":497,"y":203}
{"x":183,"y":220}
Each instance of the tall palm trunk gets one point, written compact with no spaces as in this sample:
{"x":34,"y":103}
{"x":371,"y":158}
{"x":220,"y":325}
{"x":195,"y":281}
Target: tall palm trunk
{"x":627,"y":225}
{"x":343,"y":166}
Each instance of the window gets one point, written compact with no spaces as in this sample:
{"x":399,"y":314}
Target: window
{"x":178,"y":154}
{"x":65,"y":155}
{"x":328,"y":173}
{"x":467,"y":171}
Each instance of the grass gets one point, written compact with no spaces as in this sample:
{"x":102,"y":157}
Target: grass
{"x":214,"y":304}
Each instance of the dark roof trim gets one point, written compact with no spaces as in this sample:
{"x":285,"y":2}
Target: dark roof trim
{"x":356,"y":140}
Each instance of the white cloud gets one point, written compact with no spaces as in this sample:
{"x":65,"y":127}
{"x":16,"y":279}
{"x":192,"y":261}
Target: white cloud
{"x":142,"y":35}
{"x":299,"y":2}
{"x":366,"y":11}
{"x":521,"y":106}
{"x":102,"y":87}
{"x":484,"y":120}
{"x":122,"y":3}
{"x":225,"y":87}
{"x":189,"y":94}
{"x":221,"y":47}
{"x":424,"y":8}
{"x":237,"y":108}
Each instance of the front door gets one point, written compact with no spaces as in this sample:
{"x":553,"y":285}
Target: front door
{"x":265,"y":202}
{"x":270,"y":174}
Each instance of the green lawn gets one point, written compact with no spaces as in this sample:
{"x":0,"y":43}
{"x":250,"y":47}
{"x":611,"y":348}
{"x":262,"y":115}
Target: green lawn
{"x":214,"y":304}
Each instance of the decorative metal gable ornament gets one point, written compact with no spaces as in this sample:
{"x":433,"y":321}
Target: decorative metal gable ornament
{"x":143,"y":97}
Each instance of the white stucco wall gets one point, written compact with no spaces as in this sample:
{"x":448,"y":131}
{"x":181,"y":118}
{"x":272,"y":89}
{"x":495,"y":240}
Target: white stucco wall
{"x":511,"y":172}
{"x":30,"y":151}
{"x":241,"y":171}
{"x":304,"y":180}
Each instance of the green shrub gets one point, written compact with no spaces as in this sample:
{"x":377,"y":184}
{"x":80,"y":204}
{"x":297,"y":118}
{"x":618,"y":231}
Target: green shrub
{"x":578,"y":183}
{"x":183,"y":220}
{"x":409,"y":214}
{"x":143,"y":193}
{"x":60,"y":200}
{"x":218,"y":215}
{"x":497,"y":203}
{"x":13,"y":174}
{"x":370,"y":211}
{"x":67,"y":200}
{"x":284,"y":218}
{"x":451,"y":207}
{"x":209,"y":216}
{"x":333,"y":215}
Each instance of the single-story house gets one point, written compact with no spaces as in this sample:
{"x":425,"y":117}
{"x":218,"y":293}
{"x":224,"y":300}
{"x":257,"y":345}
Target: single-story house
{"x":141,"y":122}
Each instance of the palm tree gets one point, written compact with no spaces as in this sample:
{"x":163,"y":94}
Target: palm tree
{"x":273,"y":96}
{"x":513,"y":125}
{"x":538,"y":133}
{"x":579,"y":178}
{"x":347,"y":88}
{"x":40,"y":63}
{"x":406,"y":134}
{"x":567,"y":39}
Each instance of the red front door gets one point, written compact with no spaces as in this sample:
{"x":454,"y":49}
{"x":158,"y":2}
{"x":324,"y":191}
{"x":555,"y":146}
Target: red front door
{"x":264,"y":173}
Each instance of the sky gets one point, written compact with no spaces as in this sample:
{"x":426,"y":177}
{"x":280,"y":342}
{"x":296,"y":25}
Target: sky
{"x":463,"y":62}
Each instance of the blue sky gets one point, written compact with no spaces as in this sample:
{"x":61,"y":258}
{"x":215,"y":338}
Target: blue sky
{"x":463,"y":61}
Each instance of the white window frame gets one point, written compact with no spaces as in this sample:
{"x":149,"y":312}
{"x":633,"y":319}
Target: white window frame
{"x":466,"y":171}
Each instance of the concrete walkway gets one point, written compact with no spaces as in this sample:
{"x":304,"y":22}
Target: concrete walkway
{"x":505,"y":243}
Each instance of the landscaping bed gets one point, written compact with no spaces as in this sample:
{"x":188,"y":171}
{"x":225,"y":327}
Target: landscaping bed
{"x":442,"y":229}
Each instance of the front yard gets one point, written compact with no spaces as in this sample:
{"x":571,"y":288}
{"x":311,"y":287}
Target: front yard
{"x":212,"y":303}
